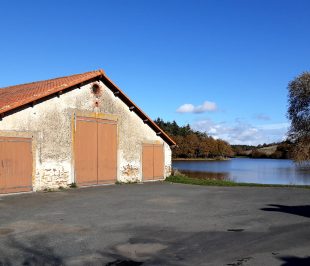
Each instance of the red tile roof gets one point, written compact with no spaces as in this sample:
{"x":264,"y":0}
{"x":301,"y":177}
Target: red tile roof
{"x":20,"y":95}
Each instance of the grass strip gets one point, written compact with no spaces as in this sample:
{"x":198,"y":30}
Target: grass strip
{"x":223,"y":183}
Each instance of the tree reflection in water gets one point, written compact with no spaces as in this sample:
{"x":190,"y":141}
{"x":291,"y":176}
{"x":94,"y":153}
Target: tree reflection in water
{"x":206,"y":175}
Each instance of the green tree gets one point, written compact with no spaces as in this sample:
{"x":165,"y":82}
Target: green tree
{"x":299,"y":114}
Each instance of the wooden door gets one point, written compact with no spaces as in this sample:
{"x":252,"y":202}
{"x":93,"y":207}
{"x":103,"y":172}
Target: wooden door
{"x":152,"y":161}
{"x":148,"y":162}
{"x":95,"y":151}
{"x":15,"y":165}
{"x":107,"y":152}
{"x":158,"y":161}
{"x":86,"y":151}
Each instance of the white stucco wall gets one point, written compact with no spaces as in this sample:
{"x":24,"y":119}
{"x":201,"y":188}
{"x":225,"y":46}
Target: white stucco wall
{"x":50,"y":123}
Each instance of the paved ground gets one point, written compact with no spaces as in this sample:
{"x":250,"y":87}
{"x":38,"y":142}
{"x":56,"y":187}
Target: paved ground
{"x":157,"y":224}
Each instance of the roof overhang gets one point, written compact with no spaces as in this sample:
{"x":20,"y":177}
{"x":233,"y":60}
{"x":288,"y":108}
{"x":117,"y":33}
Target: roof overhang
{"x":92,"y":77}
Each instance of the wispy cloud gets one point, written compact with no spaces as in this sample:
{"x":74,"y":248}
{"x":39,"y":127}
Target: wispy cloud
{"x":262,"y":117}
{"x":190,"y":108}
{"x":242,"y":132}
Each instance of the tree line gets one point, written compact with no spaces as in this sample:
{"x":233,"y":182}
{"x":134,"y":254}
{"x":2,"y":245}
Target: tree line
{"x":194,"y":144}
{"x":281,"y":150}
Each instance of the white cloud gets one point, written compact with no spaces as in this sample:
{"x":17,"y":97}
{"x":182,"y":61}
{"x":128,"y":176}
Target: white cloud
{"x":242,"y":132}
{"x":190,"y":108}
{"x":186,"y":108}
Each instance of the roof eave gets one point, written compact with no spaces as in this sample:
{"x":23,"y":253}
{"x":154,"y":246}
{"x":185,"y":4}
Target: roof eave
{"x":146,"y":119}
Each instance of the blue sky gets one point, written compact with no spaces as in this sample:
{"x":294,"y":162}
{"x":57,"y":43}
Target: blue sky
{"x":221,"y":66}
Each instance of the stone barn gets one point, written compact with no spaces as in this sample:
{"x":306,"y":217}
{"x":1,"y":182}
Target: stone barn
{"x":78,"y":129}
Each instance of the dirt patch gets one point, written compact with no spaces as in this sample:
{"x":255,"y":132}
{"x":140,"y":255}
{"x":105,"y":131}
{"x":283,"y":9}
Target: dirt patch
{"x":5,"y":231}
{"x":139,"y":251}
{"x":43,"y":227}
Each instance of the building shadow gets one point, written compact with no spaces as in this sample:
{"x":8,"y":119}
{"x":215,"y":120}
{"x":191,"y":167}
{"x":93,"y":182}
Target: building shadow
{"x":124,"y":263}
{"x":302,"y":210}
{"x":295,"y":261}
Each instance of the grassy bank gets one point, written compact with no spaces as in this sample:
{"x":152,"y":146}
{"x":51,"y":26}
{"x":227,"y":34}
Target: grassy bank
{"x":218,"y":182}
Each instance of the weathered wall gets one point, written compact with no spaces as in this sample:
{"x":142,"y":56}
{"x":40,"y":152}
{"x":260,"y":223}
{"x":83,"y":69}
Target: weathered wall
{"x":51,"y":125}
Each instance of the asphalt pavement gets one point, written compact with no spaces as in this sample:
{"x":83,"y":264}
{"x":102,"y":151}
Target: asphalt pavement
{"x":157,"y":224}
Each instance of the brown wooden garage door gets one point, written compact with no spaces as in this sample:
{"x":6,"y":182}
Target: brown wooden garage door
{"x":95,"y":151}
{"x":15,"y":165}
{"x":153,"y":161}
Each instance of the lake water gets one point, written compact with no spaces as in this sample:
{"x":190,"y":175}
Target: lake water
{"x":262,"y":171}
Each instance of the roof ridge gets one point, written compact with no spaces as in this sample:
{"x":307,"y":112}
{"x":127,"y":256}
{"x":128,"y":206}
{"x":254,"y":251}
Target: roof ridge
{"x":51,"y":79}
{"x":16,"y":96}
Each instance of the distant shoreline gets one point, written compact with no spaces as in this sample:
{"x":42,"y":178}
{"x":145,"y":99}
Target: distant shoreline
{"x":201,"y":159}
{"x":226,"y":159}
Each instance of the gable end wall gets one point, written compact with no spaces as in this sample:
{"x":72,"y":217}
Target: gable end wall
{"x":51,"y":124}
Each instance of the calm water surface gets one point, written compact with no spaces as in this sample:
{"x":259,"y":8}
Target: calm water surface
{"x":262,"y":171}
